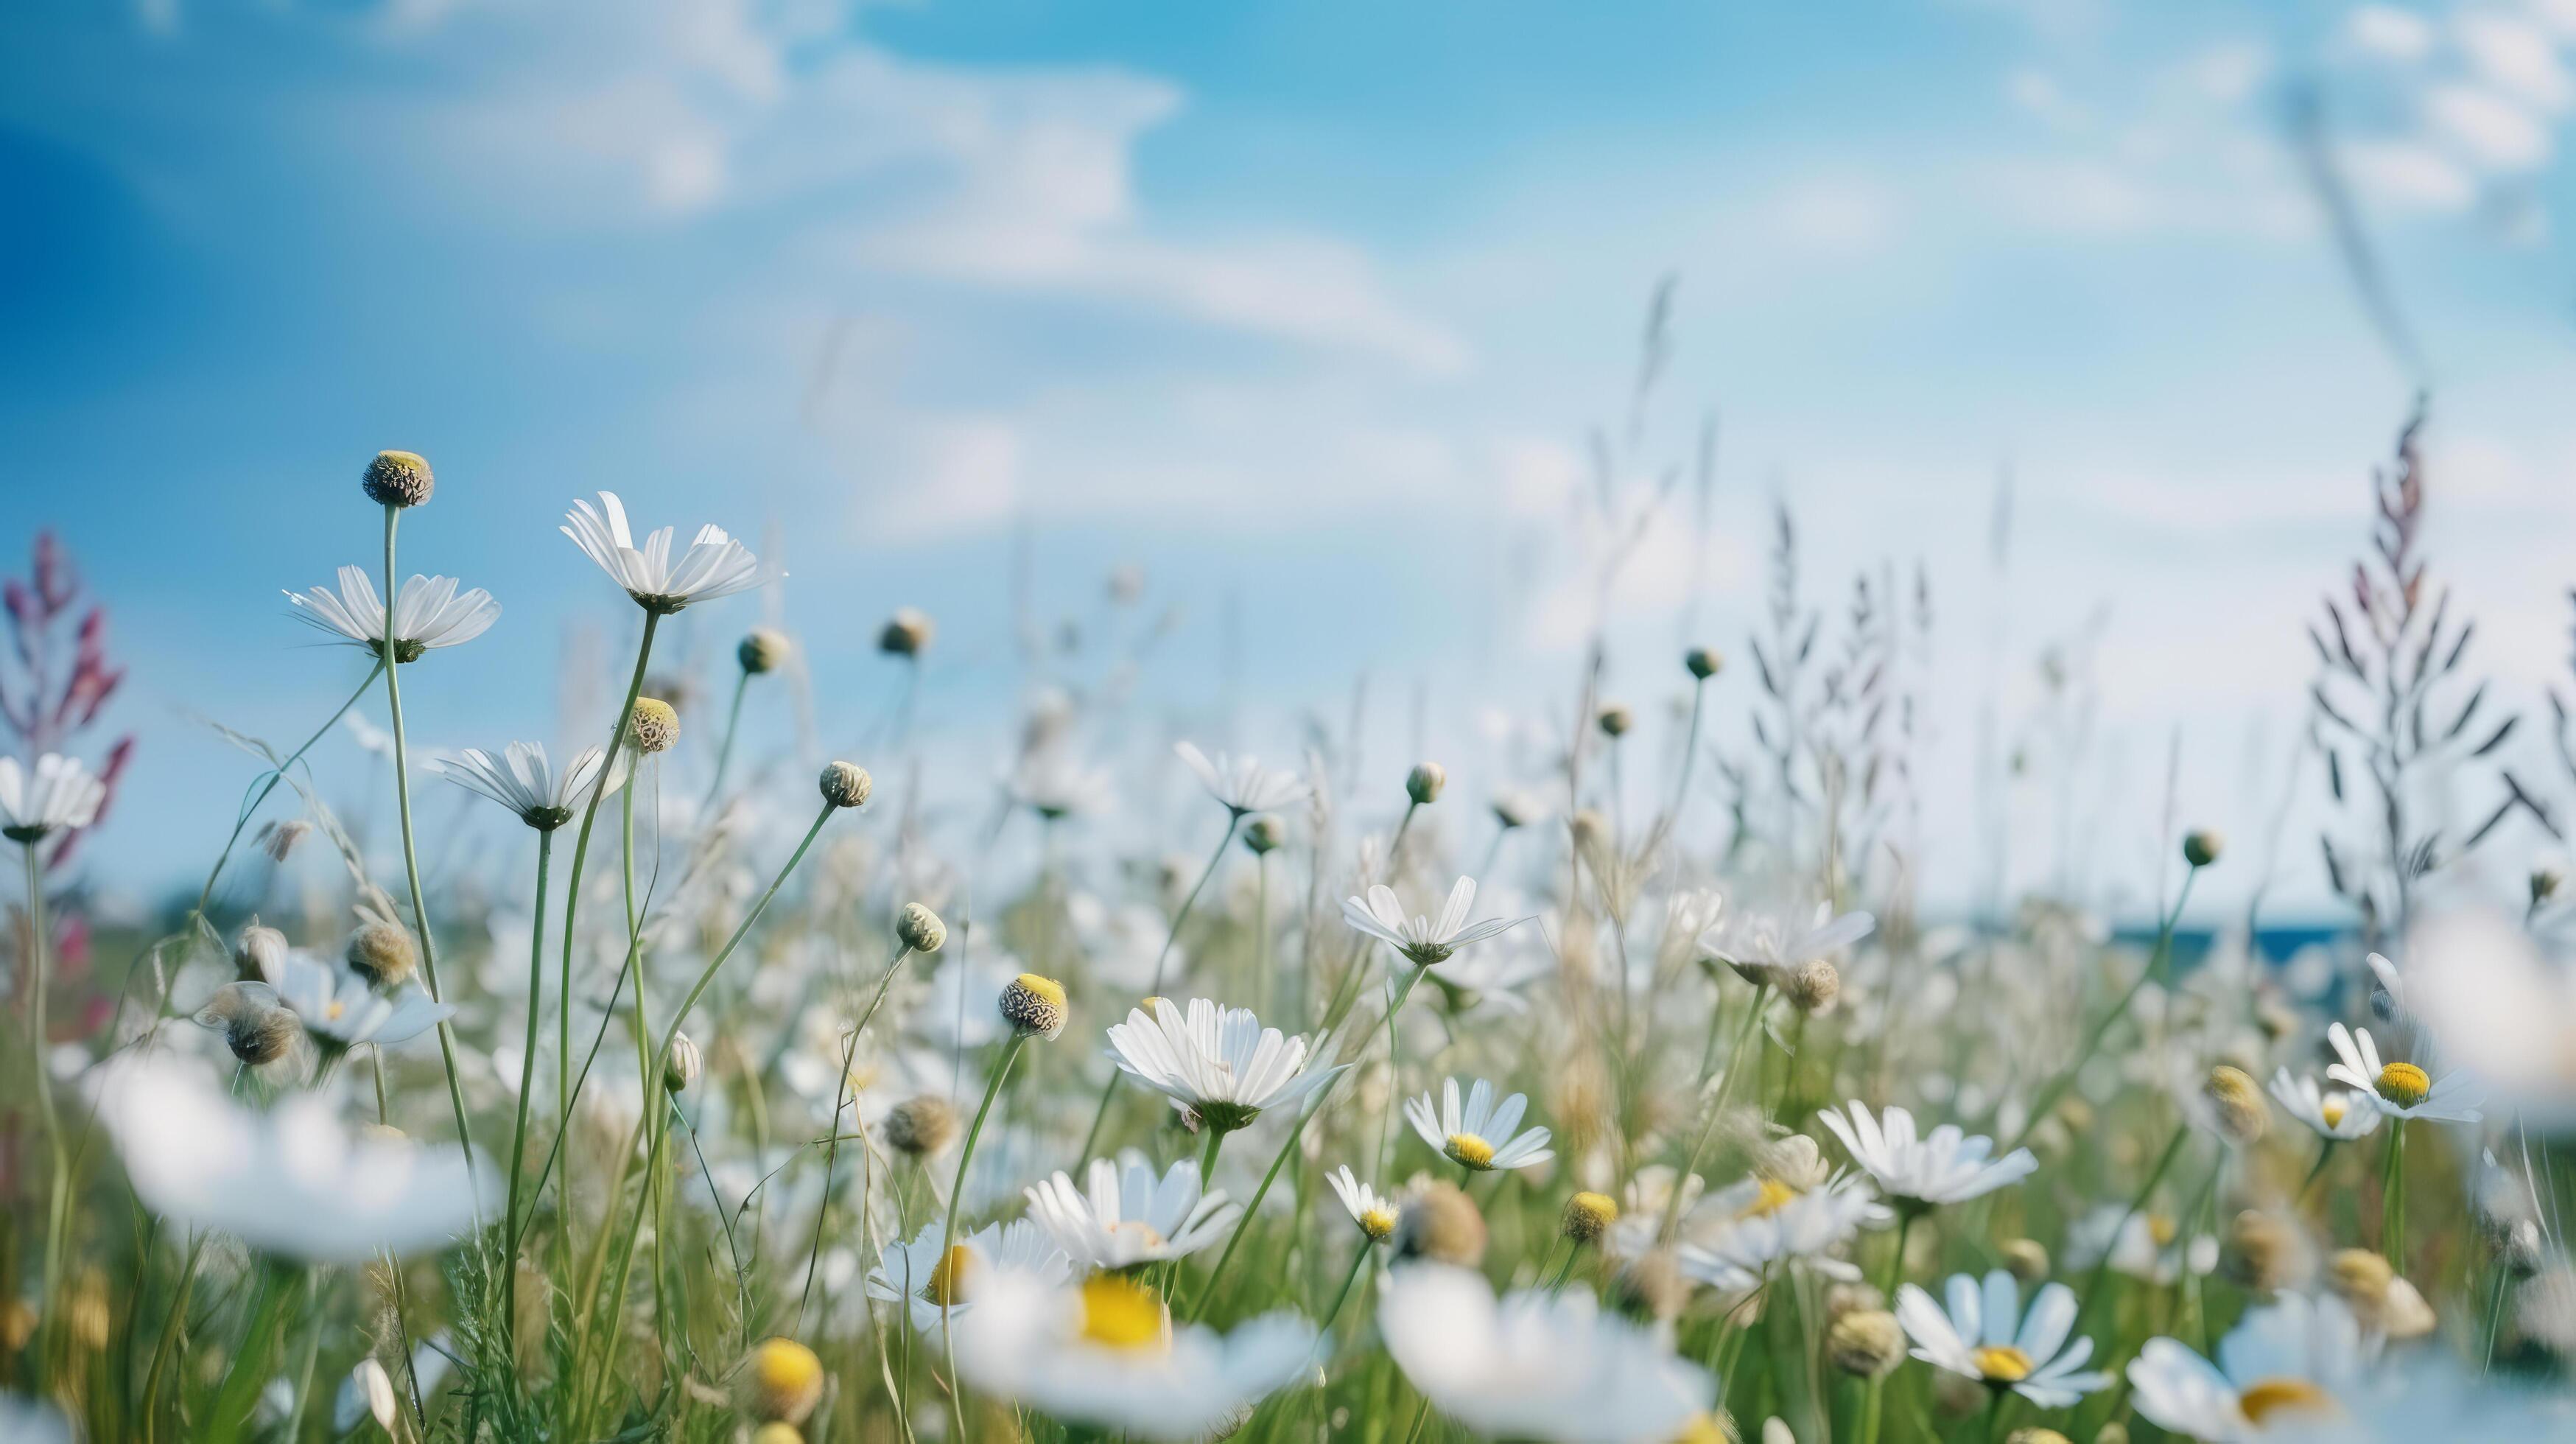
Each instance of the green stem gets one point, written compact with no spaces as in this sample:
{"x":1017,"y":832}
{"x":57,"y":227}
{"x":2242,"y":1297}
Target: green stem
{"x":2110,"y":1247}
{"x":411,"y":868}
{"x":527,"y":1085}
{"x":39,"y":964}
{"x":724,"y":750}
{"x":1359,"y":1260}
{"x":1905,"y":1217}
{"x":2392,"y":1215}
{"x":249,"y":1373}
{"x":948,"y":1231}
{"x":708,"y":975}
{"x":2325,"y":1155}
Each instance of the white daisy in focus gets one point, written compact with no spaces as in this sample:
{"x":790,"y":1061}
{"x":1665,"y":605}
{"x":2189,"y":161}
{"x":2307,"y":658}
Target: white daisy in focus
{"x":2403,"y":1091}
{"x":715,"y":565}
{"x":1924,"y":1173}
{"x":428,"y":613}
{"x":1748,"y":1226}
{"x":2138,"y":1243}
{"x":923,"y":1276}
{"x":523,"y":781}
{"x":1220,"y":1063}
{"x":1766,"y":948}
{"x":57,"y":795}
{"x":1536,"y":1366}
{"x":1106,"y":1353}
{"x":1420,"y":939}
{"x":295,"y":1181}
{"x":1373,"y":1211}
{"x":2279,"y":1372}
{"x":1242,"y":784}
{"x":338,"y":1008}
{"x":1977,"y":1338}
{"x":2334,"y":1114}
{"x":1477,"y":1134}
{"x":1127,"y":1216}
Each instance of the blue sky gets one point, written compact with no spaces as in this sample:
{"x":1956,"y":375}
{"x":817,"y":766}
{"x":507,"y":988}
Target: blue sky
{"x":1307,"y":309}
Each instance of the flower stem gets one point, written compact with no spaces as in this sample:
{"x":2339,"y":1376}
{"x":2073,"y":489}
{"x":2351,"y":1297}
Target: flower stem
{"x":411,"y":868}
{"x":1109,"y":1090}
{"x":57,"y":1211}
{"x":724,"y":750}
{"x":2392,"y":1209}
{"x":948,"y":1231}
{"x":527,"y":1085}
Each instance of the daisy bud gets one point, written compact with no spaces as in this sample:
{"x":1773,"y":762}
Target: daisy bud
{"x":682,"y":1065}
{"x":2360,"y":1278}
{"x":1652,"y":1287}
{"x":905,"y":634}
{"x":1866,"y":1344}
{"x":1588,"y":1215}
{"x":1703,"y":662}
{"x":2027,"y":1258}
{"x":846,"y":784}
{"x":763,"y":649}
{"x":777,"y":1432}
{"x":2266,"y":1254}
{"x":1794,"y":1159}
{"x":2036,"y":1435}
{"x":782,"y":1380}
{"x":1034,"y":1006}
{"x":2403,"y":1314}
{"x":1424,"y":782}
{"x":922,"y":1126}
{"x":2200,"y":846}
{"x":1852,"y":1298}
{"x":653,"y":726}
{"x":1263,"y":835}
{"x":259,"y":953}
{"x":383,"y":954}
{"x":1513,"y":809}
{"x":397,"y":478}
{"x":2114,"y":1432}
{"x":1814,"y":986}
{"x":920,"y":929}
{"x":262,"y":1035}
{"x":2237,"y":1105}
{"x":1615,"y":720}
{"x":1441,"y":1224}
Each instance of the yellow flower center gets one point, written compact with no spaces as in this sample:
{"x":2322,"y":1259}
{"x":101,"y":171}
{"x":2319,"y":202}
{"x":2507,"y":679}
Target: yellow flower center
{"x":2404,"y":1084}
{"x":1048,"y":990}
{"x":947,"y":1286}
{"x":333,"y":1011}
{"x":2332,"y":1110}
{"x":1378,"y":1224}
{"x":2161,"y":1229}
{"x":1118,"y":1314}
{"x":1772,"y":1197}
{"x":1701,"y":1429}
{"x":1467,"y":1150}
{"x":2275,"y":1396}
{"x":2002,"y":1364}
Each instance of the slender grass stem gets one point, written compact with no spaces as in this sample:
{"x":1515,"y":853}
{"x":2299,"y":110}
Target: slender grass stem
{"x":948,"y":1230}
{"x":527,"y":1086}
{"x":724,"y":749}
{"x":59,"y":1177}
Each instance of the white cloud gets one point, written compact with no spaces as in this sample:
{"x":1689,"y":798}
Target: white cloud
{"x":2489,"y":130}
{"x":2385,"y":30}
{"x":2408,"y":175}
{"x":945,"y":477}
{"x":2517,"y":56}
{"x":1847,"y":215}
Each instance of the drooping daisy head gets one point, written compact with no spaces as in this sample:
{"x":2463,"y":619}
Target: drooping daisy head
{"x":429,"y":613}
{"x":1767,"y":948}
{"x":1476,"y":1132}
{"x":1947,"y":1167}
{"x":58,"y":794}
{"x":1219,"y":1062}
{"x":1242,"y":784}
{"x":522,"y":780}
{"x":1985,"y":1336}
{"x":1374,"y":1212}
{"x":2279,"y":1371}
{"x":1422,"y":941}
{"x":1125,"y":1215}
{"x":715,"y":565}
{"x":2401,"y":1090}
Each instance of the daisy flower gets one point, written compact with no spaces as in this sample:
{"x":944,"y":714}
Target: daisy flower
{"x":1127,"y":1216}
{"x":2338,"y":1115}
{"x":715,"y":565}
{"x":1536,"y":1366}
{"x":295,"y":1181}
{"x":1106,"y":1353}
{"x":1218,"y":1062}
{"x":2138,"y":1243}
{"x":1421,"y":940}
{"x":1765,"y":948}
{"x":428,"y":613}
{"x":2278,"y":1373}
{"x":923,"y":1276}
{"x":523,"y":781}
{"x":57,"y":794}
{"x":1055,"y":785}
{"x":2403,"y":1091}
{"x":1924,"y":1173}
{"x":1467,"y":1135}
{"x":1242,"y":784}
{"x":1977,"y":1339}
{"x":1373,"y":1211}
{"x":1762,"y":1221}
{"x":341,"y":1011}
